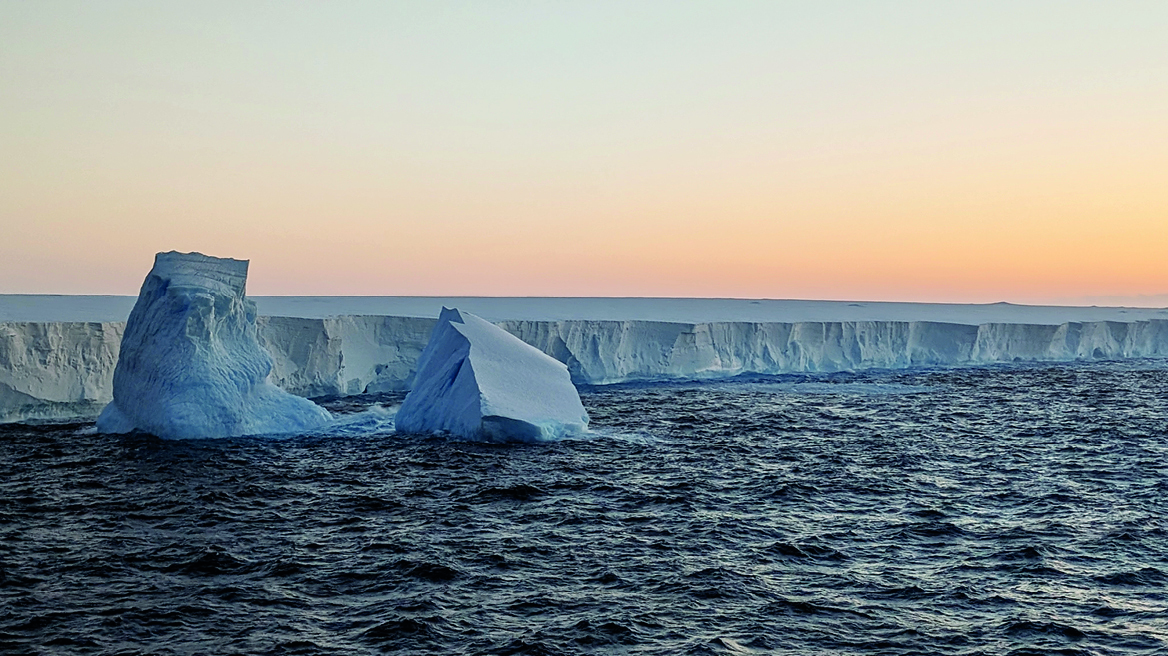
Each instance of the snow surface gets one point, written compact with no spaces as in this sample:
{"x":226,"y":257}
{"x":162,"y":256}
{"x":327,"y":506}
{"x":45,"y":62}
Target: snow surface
{"x":190,"y":364}
{"x":15,"y":307}
{"x":478,"y":382}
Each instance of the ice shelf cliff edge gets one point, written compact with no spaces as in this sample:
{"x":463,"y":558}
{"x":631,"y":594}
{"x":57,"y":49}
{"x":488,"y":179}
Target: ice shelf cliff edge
{"x":64,"y":369}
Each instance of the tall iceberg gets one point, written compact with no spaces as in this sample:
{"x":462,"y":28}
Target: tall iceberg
{"x":190,"y":364}
{"x":479,"y":382}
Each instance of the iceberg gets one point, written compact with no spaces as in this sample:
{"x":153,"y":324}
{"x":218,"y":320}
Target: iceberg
{"x":477,"y":381}
{"x":190,"y":363}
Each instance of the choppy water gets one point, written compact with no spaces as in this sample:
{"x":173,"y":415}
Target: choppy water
{"x":980,"y":511}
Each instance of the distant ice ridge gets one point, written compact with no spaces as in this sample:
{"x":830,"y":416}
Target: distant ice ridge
{"x":190,"y":364}
{"x":478,"y":382}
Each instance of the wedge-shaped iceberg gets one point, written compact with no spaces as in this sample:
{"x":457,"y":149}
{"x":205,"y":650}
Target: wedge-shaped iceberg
{"x":190,"y":364}
{"x":479,"y":382}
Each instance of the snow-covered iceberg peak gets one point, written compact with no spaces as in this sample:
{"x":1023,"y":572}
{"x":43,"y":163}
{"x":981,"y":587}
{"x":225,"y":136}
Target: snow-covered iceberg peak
{"x":190,"y":364}
{"x":479,"y":382}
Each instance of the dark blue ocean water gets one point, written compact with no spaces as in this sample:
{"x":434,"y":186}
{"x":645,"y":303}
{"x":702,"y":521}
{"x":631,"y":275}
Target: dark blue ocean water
{"x":978,"y":511}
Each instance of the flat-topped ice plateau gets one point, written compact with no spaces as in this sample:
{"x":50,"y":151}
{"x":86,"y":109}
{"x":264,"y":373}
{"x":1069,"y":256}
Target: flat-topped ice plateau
{"x":57,"y":353}
{"x":43,"y":307}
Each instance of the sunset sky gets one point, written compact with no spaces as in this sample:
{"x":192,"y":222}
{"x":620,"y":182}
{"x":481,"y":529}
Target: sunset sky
{"x":926,"y":151}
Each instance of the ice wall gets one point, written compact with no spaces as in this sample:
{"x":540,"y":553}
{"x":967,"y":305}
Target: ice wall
{"x":609,"y":352}
{"x":344,"y":355}
{"x":59,"y":370}
{"x":53,"y":370}
{"x":190,"y":363}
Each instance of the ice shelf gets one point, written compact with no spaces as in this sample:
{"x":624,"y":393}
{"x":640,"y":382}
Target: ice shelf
{"x":65,"y":369}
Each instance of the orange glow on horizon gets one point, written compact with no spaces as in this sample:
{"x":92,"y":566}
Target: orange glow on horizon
{"x":951,"y":154}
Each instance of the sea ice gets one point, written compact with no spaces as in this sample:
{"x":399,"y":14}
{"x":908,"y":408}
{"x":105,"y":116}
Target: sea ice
{"x":190,"y":364}
{"x":479,"y":382}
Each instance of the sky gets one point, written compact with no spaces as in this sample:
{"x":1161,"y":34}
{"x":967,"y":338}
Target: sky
{"x":914,"y":151}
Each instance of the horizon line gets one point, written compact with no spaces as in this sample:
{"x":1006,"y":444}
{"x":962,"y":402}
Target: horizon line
{"x":1081,"y":302}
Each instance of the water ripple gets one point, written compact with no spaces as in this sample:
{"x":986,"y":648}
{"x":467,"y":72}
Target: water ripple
{"x":1001,"y":510}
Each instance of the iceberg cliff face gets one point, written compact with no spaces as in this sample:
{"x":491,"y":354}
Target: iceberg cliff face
{"x":190,"y":364}
{"x":66,"y":369}
{"x":479,"y":382}
{"x":340,"y":356}
{"x":53,"y":370}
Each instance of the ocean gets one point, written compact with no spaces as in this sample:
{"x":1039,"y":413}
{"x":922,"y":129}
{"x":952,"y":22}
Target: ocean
{"x":1013,"y":509}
